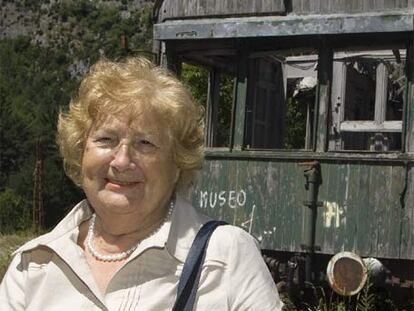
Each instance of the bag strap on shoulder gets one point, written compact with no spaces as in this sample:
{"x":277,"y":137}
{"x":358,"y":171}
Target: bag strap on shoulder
{"x":190,"y":277}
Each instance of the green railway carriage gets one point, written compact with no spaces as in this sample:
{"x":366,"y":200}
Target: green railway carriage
{"x":317,"y":157}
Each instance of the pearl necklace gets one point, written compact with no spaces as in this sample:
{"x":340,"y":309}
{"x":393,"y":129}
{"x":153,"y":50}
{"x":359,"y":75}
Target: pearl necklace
{"x":126,"y":253}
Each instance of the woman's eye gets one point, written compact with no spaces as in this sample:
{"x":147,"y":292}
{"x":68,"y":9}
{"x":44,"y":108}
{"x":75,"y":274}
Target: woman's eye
{"x":104,"y":140}
{"x":145,"y":145}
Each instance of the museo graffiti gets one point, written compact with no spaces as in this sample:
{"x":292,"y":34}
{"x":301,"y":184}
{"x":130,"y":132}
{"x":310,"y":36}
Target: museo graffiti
{"x":232,"y":198}
{"x":332,"y":215}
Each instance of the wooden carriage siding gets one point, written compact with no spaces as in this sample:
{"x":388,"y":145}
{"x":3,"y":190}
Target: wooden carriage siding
{"x":200,"y":8}
{"x":361,"y":209}
{"x":203,"y":19}
{"x":367,"y":199}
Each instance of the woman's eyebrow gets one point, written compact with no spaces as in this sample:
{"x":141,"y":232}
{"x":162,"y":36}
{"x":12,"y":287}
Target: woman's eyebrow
{"x":103,"y":129}
{"x":145,"y":131}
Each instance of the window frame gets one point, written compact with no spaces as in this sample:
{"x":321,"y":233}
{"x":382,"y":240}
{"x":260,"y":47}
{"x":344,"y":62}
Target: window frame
{"x":288,"y":72}
{"x":338,"y":98}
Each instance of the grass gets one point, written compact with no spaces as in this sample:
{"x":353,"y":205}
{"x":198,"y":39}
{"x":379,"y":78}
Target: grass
{"x":8,"y":244}
{"x":370,"y":298}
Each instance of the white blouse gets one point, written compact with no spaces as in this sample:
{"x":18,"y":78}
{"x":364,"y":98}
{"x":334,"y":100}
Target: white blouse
{"x":51,"y":271}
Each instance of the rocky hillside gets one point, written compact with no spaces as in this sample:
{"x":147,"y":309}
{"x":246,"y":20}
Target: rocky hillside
{"x":47,"y":20}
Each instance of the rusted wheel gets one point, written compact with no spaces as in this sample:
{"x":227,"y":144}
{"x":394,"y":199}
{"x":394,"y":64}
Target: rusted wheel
{"x":346,"y":273}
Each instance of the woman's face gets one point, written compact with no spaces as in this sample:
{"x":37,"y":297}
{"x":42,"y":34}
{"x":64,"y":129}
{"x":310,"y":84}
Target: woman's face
{"x":128,"y":167}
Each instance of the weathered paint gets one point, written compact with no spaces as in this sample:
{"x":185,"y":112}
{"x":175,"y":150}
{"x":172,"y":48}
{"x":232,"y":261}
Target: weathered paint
{"x":212,"y":107}
{"x":407,"y":226}
{"x":322,"y":100}
{"x":176,"y":9}
{"x":239,"y":106}
{"x":332,"y":214}
{"x":269,"y":155}
{"x":361,"y":208}
{"x":367,"y":198}
{"x":347,"y":6}
{"x":267,"y":26}
{"x":409,"y":109}
{"x":192,"y":8}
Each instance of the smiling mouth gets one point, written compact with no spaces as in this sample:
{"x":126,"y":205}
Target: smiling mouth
{"x":120,"y":183}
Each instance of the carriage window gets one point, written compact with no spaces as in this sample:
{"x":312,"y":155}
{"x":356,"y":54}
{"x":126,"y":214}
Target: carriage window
{"x":196,"y":79}
{"x":213,"y":89}
{"x":219,"y":109}
{"x":280,"y":103}
{"x":367,"y":100}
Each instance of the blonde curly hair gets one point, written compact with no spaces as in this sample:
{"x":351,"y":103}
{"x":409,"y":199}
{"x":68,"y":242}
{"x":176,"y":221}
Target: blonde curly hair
{"x":131,"y":85}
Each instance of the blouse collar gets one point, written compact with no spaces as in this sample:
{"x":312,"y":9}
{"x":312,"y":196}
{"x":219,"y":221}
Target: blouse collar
{"x":176,"y":235}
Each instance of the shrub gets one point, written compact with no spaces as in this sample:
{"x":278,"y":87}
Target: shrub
{"x":14,"y":215}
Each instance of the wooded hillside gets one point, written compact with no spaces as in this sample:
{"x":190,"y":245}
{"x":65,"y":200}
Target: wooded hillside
{"x":45,"y":47}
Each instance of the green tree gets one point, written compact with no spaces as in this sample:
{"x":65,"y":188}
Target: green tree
{"x":13,"y":215}
{"x":34,"y":83}
{"x":38,"y":79}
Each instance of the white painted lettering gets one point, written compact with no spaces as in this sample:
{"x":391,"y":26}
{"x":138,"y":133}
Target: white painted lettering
{"x":241,"y":198}
{"x":222,"y":198}
{"x":213,"y":199}
{"x":232,"y":199}
{"x":203,"y":199}
{"x":332,"y":214}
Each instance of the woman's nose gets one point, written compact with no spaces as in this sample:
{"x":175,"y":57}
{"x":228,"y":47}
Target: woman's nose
{"x":122,"y":159}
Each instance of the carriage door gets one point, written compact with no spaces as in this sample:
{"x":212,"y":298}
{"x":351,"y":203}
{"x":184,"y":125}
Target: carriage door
{"x":265,"y":105}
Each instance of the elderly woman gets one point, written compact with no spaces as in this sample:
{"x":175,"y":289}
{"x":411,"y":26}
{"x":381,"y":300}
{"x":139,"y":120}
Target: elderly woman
{"x":132,"y":140}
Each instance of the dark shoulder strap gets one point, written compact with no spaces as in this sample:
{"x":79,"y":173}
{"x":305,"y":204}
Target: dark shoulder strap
{"x":187,"y":287}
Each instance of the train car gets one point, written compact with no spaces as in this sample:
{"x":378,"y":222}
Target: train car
{"x":316,"y":156}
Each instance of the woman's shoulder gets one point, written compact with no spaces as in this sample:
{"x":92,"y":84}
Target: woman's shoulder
{"x":225,"y":242}
{"x":33,"y":243}
{"x":230,"y":234}
{"x":72,"y":220}
{"x":228,"y":241}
